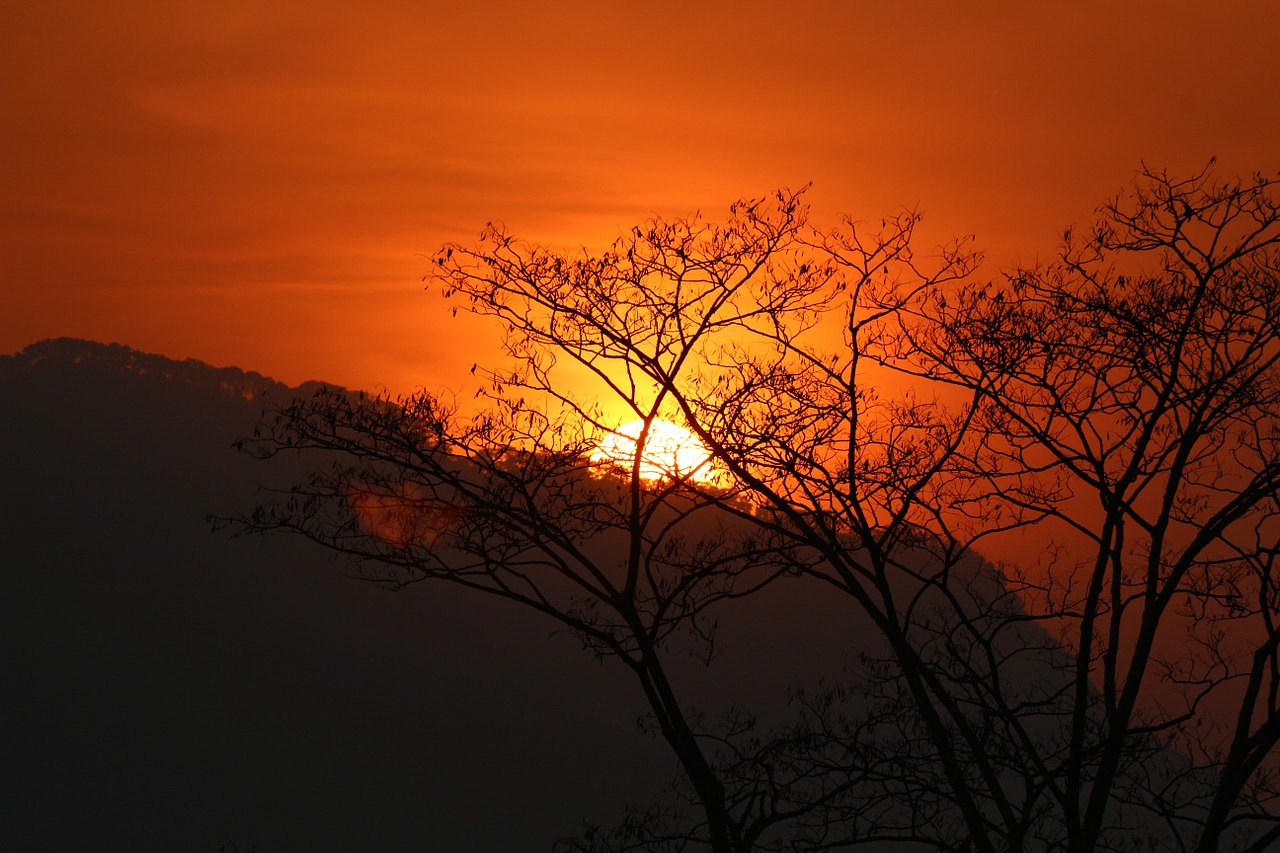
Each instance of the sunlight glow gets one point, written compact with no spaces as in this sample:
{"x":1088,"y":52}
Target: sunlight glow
{"x":670,"y":452}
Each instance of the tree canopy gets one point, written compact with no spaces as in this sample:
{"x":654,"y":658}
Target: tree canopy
{"x":877,"y":416}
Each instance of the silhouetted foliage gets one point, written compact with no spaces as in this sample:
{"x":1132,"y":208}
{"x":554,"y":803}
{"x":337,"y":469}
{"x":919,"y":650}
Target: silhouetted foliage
{"x":1132,"y":396}
{"x":874,"y":415}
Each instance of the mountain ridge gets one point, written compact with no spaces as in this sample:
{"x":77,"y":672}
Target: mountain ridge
{"x":121,"y":359}
{"x":205,"y":691}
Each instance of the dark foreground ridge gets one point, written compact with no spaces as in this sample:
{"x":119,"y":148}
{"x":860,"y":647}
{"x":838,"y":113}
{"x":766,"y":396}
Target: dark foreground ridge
{"x":169,"y":689}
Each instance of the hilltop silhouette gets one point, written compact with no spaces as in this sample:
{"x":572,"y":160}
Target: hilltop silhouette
{"x":171,"y":689}
{"x":89,"y":359}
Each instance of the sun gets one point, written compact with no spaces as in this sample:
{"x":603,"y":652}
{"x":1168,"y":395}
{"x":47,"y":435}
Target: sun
{"x":670,"y":452}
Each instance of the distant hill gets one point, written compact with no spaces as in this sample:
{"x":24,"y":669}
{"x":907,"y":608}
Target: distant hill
{"x":171,"y":689}
{"x":91,"y":358}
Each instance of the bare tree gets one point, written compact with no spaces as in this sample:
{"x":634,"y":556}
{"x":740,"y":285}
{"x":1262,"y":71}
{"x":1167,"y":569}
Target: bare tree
{"x":872,"y":416}
{"x":511,"y":503}
{"x":762,"y":340}
{"x":1131,"y":396}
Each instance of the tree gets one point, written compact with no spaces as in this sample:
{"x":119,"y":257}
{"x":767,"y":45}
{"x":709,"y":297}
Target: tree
{"x":510,"y":503}
{"x":1132,"y":393}
{"x":873,"y":417}
{"x":757,"y":336}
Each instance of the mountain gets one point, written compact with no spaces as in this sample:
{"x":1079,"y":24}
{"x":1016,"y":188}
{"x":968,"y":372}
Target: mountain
{"x":56,"y":356}
{"x":172,"y":689}
{"x":168,"y":688}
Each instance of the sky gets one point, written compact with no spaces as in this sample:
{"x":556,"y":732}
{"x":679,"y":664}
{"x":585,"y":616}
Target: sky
{"x":261,"y":183}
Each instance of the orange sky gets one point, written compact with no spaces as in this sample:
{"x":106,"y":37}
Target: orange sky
{"x":254,"y":183}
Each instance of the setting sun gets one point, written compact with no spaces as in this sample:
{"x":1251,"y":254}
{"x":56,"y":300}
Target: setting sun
{"x":670,"y":452}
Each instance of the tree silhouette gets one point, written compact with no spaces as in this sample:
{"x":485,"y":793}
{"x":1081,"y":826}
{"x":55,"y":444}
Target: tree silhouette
{"x":1131,"y":392}
{"x":873,"y":415}
{"x":510,"y":503}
